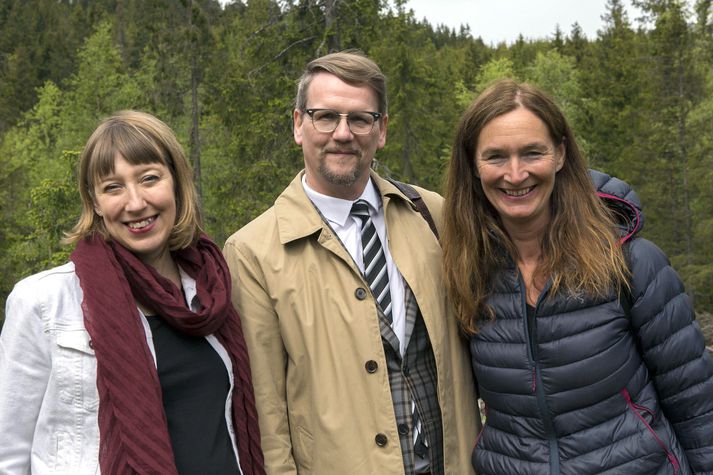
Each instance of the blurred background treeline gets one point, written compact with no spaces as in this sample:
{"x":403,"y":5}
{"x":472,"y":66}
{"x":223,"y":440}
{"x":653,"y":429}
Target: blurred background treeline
{"x":639,"y":95}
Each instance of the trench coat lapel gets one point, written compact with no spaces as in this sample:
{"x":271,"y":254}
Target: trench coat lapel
{"x":387,"y":334}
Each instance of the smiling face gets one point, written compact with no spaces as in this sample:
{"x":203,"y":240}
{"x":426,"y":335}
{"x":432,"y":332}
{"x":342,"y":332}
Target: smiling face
{"x":337,"y":163}
{"x":517,"y":162}
{"x":138,"y":206}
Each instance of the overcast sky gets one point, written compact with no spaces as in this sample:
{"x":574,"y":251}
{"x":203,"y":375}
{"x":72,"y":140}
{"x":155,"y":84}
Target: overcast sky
{"x":503,"y":20}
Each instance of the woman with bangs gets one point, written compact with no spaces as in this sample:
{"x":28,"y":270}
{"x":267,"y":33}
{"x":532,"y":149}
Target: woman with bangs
{"x":129,"y":358}
{"x":583,"y":340}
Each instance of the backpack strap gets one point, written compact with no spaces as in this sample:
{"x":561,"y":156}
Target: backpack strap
{"x":417,"y":201}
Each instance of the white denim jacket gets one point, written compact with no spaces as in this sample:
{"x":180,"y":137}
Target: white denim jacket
{"x":48,"y":392}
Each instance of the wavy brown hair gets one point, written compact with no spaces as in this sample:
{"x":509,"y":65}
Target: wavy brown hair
{"x":580,"y":249}
{"x":139,"y":138}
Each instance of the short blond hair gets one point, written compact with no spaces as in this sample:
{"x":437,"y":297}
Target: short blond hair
{"x":139,"y":138}
{"x":352,"y":67}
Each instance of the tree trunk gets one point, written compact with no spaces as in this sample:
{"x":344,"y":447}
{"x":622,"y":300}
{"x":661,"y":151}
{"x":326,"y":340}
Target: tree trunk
{"x":331,"y":28}
{"x":195,"y":144}
{"x":408,"y":172}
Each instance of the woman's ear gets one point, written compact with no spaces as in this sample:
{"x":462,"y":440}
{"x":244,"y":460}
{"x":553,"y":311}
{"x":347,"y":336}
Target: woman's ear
{"x":560,"y":154}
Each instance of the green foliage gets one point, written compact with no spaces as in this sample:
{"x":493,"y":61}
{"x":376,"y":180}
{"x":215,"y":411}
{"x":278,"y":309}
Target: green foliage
{"x":612,"y":78}
{"x":34,"y":242}
{"x":54,"y":210}
{"x":557,"y":75}
{"x":102,"y":85}
{"x":421,"y":128}
{"x":640,"y":98}
{"x":38,"y":43}
{"x":674,"y":88}
{"x":493,"y":70}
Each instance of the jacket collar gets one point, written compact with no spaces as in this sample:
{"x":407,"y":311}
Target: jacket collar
{"x":298,"y":218}
{"x":622,"y":200}
{"x":337,"y":210}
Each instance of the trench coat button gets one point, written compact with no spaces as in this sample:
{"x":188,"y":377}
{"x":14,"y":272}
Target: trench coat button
{"x":405,"y":370}
{"x":381,"y":440}
{"x":360,"y":293}
{"x":91,"y":344}
{"x":403,"y":429}
{"x":371,"y":366}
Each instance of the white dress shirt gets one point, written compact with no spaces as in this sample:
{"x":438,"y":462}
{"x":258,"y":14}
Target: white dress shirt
{"x":348,"y":228}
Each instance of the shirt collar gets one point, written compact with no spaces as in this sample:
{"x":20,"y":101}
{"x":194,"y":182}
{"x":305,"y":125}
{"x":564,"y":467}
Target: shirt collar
{"x":189,"y":290}
{"x":336,"y":210}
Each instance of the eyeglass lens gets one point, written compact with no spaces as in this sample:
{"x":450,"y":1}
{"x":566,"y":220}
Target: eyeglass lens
{"x":360,"y":123}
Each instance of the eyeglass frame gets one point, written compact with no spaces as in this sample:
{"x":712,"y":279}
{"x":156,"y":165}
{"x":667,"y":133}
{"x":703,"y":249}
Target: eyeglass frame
{"x":376,"y":115}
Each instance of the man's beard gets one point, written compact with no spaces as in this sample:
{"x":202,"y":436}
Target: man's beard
{"x":342,"y":179}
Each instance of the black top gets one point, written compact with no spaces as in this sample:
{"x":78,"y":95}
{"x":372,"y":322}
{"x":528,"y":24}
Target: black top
{"x":531,"y":324}
{"x":194,"y":382}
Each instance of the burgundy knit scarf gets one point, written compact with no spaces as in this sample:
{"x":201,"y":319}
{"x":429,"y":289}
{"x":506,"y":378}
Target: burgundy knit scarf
{"x":133,"y":433}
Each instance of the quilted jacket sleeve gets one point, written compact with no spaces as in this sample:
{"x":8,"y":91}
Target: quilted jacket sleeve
{"x":674,"y":350}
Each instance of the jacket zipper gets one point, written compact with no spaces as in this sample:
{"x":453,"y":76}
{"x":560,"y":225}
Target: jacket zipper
{"x":482,"y":430}
{"x":637,"y":409}
{"x":537,"y":386}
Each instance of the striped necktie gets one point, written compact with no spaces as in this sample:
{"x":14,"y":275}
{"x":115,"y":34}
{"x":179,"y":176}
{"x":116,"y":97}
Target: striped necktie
{"x":377,"y":276}
{"x":375,"y":270}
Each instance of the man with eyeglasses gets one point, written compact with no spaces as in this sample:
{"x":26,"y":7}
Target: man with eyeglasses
{"x":357,"y":363}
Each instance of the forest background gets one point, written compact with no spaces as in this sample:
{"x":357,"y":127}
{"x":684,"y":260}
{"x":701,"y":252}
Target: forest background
{"x":639,"y":96}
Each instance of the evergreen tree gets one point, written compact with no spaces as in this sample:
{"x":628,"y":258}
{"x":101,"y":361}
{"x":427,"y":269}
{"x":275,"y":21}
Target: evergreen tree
{"x":223,"y":77}
{"x":612,"y":82}
{"x":38,"y":42}
{"x":674,"y":88}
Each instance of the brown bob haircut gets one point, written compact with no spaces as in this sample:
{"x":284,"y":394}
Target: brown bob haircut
{"x":352,"y":67}
{"x":140,"y":138}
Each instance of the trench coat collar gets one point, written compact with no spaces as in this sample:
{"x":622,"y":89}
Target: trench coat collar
{"x":298,"y":218}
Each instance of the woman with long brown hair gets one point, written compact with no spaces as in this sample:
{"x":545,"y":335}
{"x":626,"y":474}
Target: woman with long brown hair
{"x":583,"y":340}
{"x":130,"y":358}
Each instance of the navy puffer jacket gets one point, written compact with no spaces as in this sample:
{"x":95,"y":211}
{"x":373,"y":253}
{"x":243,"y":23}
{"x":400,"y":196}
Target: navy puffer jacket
{"x":615,"y":386}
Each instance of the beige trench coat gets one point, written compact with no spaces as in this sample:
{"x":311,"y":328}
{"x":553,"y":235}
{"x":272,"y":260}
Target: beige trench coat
{"x":310,"y":338}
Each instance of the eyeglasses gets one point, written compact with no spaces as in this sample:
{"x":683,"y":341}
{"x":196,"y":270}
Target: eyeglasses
{"x":327,"y":120}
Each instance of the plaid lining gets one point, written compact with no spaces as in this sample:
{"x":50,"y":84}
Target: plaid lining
{"x":414,"y":379}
